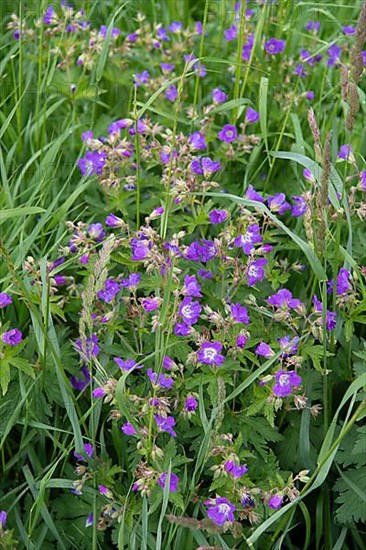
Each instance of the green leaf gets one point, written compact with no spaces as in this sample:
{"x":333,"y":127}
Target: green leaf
{"x":4,"y":376}
{"x":23,"y":365}
{"x":352,"y":496}
{"x":11,"y":213}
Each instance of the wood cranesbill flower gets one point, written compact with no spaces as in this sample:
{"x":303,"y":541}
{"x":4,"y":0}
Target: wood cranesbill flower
{"x":275,"y":502}
{"x":5,"y":300}
{"x":108,"y":293}
{"x":128,"y":429}
{"x":274,"y":46}
{"x":218,"y":96}
{"x":218,"y":216}
{"x":220,"y":510}
{"x":343,"y":284}
{"x":12,"y":337}
{"x":165,"y":424}
{"x":283,"y":299}
{"x":173,"y":484}
{"x":88,"y":450}
{"x":190,"y":311}
{"x":209,"y":354}
{"x":126,"y":364}
{"x":249,"y":239}
{"x":191,"y":286}
{"x":235,"y":470}
{"x":255,"y":271}
{"x":239,"y":313}
{"x":160,"y":380}
{"x":197,"y":141}
{"x":264,"y":350}
{"x":251,"y":116}
{"x":201,"y":251}
{"x":3,"y":518}
{"x":228,"y":133}
{"x":92,"y":163}
{"x":286,"y":382}
{"x":190,"y":404}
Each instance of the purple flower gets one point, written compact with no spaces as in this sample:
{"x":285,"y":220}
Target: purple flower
{"x":165,"y":424}
{"x":98,"y":392}
{"x":197,"y":141}
{"x":362,"y":182}
{"x":255,"y":271}
{"x":310,"y":95}
{"x":104,"y":491}
{"x":205,"y":166}
{"x":96,"y":232}
{"x":231,"y":33}
{"x":167,"y":67}
{"x":201,"y":251}
{"x":209,"y":354}
{"x":227,"y":133}
{"x":198,"y":27}
{"x":5,"y":299}
{"x":235,"y":470}
{"x":247,"y":501}
{"x":274,"y":46}
{"x":173,"y":485}
{"x":181,"y":329}
{"x":299,"y":208}
{"x":342,"y":285}
{"x":88,"y":449}
{"x":87,"y":135}
{"x":277,"y":203}
{"x":126,"y":364}
{"x":283,"y":299}
{"x":275,"y":502}
{"x":3,"y":518}
{"x":128,"y":429}
{"x":150,"y":304}
{"x":91,"y":348}
{"x":140,"y":249}
{"x":252,"y":195}
{"x":239,"y":313}
{"x":81,"y":383}
{"x":171,"y":93}
{"x":190,"y":311}
{"x":111,"y":288}
{"x":349,"y":30}
{"x":308,"y":175}
{"x":330,"y":318}
{"x":132,"y":282}
{"x":334,"y":53}
{"x":241,"y":340}
{"x":113,"y":221}
{"x":92,"y":163}
{"x":49,"y":16}
{"x":288,"y":346}
{"x":204,"y":274}
{"x":345,"y":152}
{"x":13,"y":337}
{"x":160,"y":380}
{"x":264,"y":350}
{"x":162,"y":34}
{"x":89,"y":520}
{"x":313,"y":26}
{"x":168,"y":363}
{"x":217,"y":216}
{"x":220,"y":510}
{"x":191,"y":286}
{"x":247,"y":48}
{"x":142,"y":78}
{"x":190,"y":404}
{"x":251,"y":116}
{"x":218,"y":96}
{"x":176,"y":26}
{"x":250,"y":237}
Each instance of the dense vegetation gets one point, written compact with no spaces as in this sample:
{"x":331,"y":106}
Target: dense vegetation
{"x":182,"y":297}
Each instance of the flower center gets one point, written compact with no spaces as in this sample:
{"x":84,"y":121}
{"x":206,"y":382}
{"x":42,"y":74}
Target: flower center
{"x":284,"y":380}
{"x":209,"y":353}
